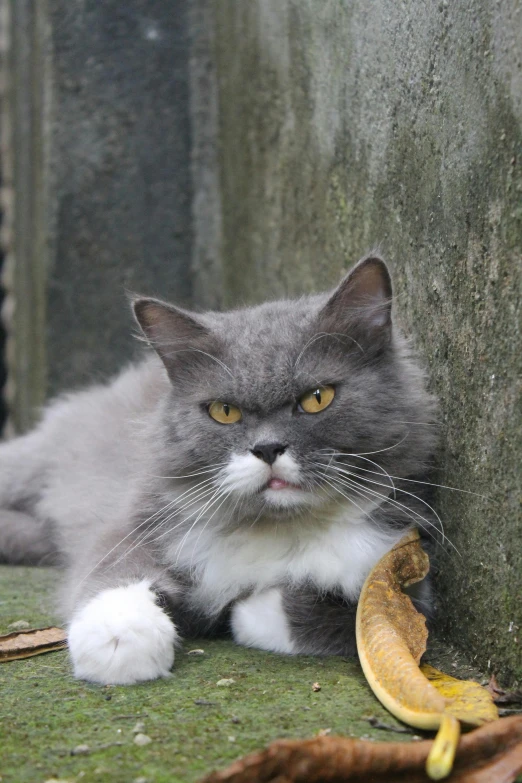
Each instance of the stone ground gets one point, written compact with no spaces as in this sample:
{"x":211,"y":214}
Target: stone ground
{"x":194,"y":724}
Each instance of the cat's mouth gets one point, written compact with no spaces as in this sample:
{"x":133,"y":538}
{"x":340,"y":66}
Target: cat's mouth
{"x":280,"y":495}
{"x":280,"y":484}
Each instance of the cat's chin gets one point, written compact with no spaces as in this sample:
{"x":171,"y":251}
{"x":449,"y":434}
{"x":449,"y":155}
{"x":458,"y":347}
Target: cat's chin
{"x":290,"y":503}
{"x":288,"y":498}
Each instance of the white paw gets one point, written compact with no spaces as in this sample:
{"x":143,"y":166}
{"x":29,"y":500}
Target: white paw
{"x":121,"y":637}
{"x":260,"y":621}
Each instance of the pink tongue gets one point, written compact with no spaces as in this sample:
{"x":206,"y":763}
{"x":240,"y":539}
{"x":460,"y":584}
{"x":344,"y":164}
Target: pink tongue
{"x":277,"y":483}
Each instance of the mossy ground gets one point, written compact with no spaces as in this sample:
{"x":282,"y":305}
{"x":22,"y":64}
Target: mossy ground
{"x":194,"y":724}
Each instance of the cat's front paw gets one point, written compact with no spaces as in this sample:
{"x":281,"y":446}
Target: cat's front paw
{"x":121,"y":637}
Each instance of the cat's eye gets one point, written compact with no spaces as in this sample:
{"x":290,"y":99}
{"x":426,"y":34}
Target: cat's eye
{"x":316,"y":400}
{"x":224,"y":413}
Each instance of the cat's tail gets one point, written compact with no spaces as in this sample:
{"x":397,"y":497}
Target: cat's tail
{"x":24,"y":538}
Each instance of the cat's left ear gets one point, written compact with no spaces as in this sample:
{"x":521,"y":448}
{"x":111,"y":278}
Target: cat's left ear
{"x":361,"y":304}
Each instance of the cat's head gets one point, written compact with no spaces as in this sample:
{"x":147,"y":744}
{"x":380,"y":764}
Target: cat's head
{"x":291,"y":405}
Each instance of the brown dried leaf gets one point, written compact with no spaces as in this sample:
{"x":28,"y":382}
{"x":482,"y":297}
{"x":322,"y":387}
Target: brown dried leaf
{"x":391,"y":638}
{"x":465,"y":699}
{"x":490,"y":754}
{"x":24,"y":644}
{"x":392,"y":635}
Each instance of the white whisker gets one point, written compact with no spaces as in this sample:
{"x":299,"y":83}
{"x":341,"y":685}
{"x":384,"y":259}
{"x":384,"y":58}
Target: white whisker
{"x":339,"y":336}
{"x":353,"y":485}
{"x":143,"y":535}
{"x":225,"y":498}
{"x":350,"y":499}
{"x":217,"y":494}
{"x":404,"y":492}
{"x":204,"y":353}
{"x":214,"y":469}
{"x":98,"y":564}
{"x":426,"y":483}
{"x":369,"y":494}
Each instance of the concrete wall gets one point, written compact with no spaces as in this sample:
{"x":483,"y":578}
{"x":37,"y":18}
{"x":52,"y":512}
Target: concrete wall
{"x":345,"y":125}
{"x":98,"y":186}
{"x":121,"y":172}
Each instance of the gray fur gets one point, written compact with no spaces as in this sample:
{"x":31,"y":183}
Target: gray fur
{"x":91,"y":481}
{"x":320,"y":624}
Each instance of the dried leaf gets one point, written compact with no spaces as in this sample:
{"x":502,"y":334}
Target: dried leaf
{"x":392,"y":635}
{"x":391,"y":638}
{"x":500,"y":696}
{"x":489,"y":754}
{"x":24,"y":644}
{"x":466,"y":700}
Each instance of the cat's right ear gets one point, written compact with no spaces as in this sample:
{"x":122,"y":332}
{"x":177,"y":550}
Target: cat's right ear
{"x":170,"y":330}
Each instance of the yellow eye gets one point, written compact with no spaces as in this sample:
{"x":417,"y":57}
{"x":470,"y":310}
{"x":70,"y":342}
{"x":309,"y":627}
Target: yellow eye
{"x":224,"y":413}
{"x":316,"y":400}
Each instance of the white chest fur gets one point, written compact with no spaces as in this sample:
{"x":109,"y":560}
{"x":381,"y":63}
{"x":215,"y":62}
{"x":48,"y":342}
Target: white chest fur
{"x":337,"y":554}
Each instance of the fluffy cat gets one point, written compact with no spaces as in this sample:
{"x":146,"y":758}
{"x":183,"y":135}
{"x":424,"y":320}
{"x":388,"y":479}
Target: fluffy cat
{"x":244,"y":478}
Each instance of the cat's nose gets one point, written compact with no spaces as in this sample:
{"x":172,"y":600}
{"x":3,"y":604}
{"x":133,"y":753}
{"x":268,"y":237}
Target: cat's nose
{"x":268,"y":452}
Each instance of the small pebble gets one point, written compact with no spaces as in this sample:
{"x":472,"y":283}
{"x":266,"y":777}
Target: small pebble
{"x":196,"y":652}
{"x":140,"y":780}
{"x":19,"y":625}
{"x":80,"y":750}
{"x":142,"y":739}
{"x":139,"y":728}
{"x":231,"y":738}
{"x":225,"y":681}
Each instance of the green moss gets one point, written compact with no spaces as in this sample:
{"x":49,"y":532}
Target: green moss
{"x":195,"y":725}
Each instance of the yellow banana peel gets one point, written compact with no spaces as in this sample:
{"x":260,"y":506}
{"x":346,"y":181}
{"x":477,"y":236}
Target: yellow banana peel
{"x":391,"y":639}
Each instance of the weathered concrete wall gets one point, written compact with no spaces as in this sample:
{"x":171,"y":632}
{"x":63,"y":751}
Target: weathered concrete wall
{"x":97,"y":183}
{"x":120,"y":163}
{"x":354,"y":124}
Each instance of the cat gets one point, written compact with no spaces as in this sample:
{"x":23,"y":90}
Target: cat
{"x":243,"y":478}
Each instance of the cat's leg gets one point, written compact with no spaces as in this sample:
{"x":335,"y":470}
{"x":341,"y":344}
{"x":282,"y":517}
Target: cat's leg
{"x":296,"y":621}
{"x":121,"y":629}
{"x":261,"y":621}
{"x":26,"y":540}
{"x":292,"y":620}
{"x":25,"y":537}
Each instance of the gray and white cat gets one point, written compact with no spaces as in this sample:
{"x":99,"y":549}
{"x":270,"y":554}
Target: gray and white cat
{"x":246,"y":480}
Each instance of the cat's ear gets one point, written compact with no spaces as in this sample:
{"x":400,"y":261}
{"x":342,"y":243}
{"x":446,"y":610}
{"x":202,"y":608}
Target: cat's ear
{"x":170,"y":330}
{"x":360,"y":306}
